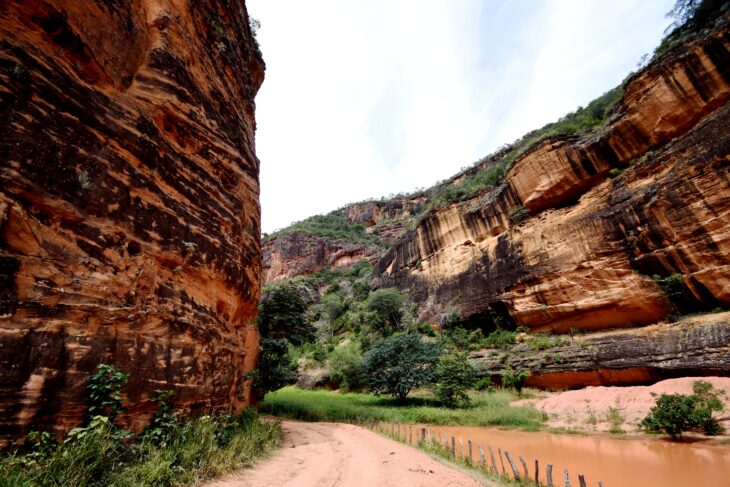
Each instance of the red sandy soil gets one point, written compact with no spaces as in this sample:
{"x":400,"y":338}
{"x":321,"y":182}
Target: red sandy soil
{"x":332,"y":454}
{"x":586,"y":409}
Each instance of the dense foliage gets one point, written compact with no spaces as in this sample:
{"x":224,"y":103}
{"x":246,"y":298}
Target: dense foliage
{"x":674,"y":414}
{"x":346,"y":366}
{"x":386,"y":305}
{"x":105,"y":391}
{"x":514,"y":379}
{"x":282,"y":314}
{"x":454,"y":378}
{"x":398,"y":364}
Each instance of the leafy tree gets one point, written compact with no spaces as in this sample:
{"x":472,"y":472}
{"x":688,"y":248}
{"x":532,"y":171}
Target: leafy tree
{"x":397,"y":364}
{"x":676,"y":413}
{"x":282,"y":314}
{"x":345,"y":366}
{"x":273,"y":371}
{"x":515,"y":379}
{"x":454,"y":377}
{"x":386,"y":304}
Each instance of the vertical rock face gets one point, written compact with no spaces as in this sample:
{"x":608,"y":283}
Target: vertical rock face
{"x":129,"y":213}
{"x":585,"y":257}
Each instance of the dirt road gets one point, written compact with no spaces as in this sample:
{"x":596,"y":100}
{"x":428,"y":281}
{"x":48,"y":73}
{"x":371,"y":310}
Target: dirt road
{"x":329,"y":454}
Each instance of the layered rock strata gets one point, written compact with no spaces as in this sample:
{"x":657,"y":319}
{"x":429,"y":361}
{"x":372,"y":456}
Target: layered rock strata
{"x":694,"y":346}
{"x":561,"y":245}
{"x":129,"y":212}
{"x":301,"y":253}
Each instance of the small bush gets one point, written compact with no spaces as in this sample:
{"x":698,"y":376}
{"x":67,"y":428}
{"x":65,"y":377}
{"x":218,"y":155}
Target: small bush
{"x":615,"y":172}
{"x":345,"y":366}
{"x":484,"y":384}
{"x":519,"y":215}
{"x":501,"y":338}
{"x":105,"y":391}
{"x":454,"y":377}
{"x":540,"y":341}
{"x":514,"y":379}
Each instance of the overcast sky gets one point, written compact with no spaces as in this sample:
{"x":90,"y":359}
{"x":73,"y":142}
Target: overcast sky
{"x":363,"y":98}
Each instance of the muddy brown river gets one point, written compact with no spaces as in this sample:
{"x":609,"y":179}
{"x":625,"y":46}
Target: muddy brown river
{"x":615,"y":462}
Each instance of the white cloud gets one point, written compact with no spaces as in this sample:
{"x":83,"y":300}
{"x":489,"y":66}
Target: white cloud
{"x":365,"y":98}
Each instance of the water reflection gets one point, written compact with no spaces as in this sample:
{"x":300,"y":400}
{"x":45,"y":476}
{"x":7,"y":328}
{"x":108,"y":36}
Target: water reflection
{"x":617,"y":462}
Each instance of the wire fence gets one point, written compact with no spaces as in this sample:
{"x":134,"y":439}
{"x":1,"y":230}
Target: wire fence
{"x":475,"y":455}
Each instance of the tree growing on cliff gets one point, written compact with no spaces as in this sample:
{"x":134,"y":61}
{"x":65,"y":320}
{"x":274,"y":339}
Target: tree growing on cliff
{"x":398,"y":364}
{"x":674,"y":414}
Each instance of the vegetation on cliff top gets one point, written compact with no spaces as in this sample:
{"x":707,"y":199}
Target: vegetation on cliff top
{"x":332,"y":225}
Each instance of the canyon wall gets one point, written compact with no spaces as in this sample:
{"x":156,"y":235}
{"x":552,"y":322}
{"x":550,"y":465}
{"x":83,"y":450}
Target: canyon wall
{"x":299,"y":253}
{"x":618,"y":228}
{"x":129,"y":210}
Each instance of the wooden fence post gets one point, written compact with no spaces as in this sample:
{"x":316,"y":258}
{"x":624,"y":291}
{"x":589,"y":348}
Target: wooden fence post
{"x":537,"y":473}
{"x":410,"y":435}
{"x":582,"y":480}
{"x":453,"y":447}
{"x":461,"y":445}
{"x":428,"y":435}
{"x":512,"y":464}
{"x":524,"y":467}
{"x":550,"y":475}
{"x":501,"y":460}
{"x":471,"y":460}
{"x":423,"y":435}
{"x":491,"y":455}
{"x":600,"y":483}
{"x":567,"y":478}
{"x":482,"y":458}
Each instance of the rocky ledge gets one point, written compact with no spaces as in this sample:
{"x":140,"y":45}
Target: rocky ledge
{"x":697,"y":346}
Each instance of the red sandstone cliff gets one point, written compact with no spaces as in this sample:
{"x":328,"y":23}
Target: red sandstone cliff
{"x":585,"y":257}
{"x":297,"y":253}
{"x":129,"y":211}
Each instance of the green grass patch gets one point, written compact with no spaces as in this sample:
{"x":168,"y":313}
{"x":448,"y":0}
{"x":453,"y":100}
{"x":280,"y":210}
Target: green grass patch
{"x":487,"y":409}
{"x":196,"y":450}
